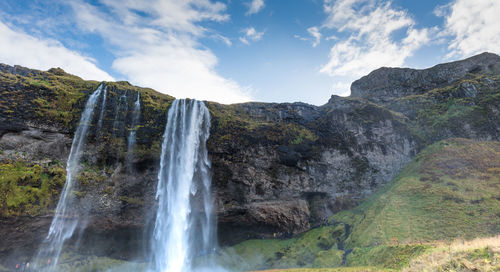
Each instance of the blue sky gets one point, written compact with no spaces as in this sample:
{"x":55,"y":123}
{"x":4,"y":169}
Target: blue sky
{"x":250,"y":50}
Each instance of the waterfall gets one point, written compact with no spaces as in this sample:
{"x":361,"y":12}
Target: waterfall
{"x":136,"y":114}
{"x":103,"y":109}
{"x":184,"y":226}
{"x":117,"y":129}
{"x":66,"y":218}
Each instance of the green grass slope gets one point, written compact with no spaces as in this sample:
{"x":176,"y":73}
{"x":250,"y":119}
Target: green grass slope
{"x":315,"y":248}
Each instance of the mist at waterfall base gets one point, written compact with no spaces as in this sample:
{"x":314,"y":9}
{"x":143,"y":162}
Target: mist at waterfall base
{"x":183,"y":235}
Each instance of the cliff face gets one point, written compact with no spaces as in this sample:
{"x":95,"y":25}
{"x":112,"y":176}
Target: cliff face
{"x":283,"y":167}
{"x":276,"y":167}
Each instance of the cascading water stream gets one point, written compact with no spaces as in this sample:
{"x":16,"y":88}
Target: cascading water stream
{"x":136,"y":114}
{"x":103,"y":109}
{"x":122,"y":102}
{"x":184,"y":226}
{"x":65,"y":219}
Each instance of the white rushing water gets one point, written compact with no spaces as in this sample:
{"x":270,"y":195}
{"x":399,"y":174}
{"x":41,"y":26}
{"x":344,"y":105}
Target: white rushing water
{"x":65,"y":219}
{"x":136,"y":114}
{"x":184,"y":226}
{"x":103,"y":109}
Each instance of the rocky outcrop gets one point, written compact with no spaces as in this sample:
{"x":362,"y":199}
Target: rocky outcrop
{"x":386,"y":84}
{"x":277,"y":168}
{"x":34,"y":145}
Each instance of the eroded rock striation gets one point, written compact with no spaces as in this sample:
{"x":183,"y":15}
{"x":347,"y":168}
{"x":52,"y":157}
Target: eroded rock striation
{"x":277,"y":168}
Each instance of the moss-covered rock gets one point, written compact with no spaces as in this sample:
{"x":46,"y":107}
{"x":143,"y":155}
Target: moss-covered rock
{"x":29,"y":189}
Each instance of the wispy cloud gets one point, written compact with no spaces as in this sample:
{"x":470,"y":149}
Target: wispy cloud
{"x":370,"y":43}
{"x":296,"y":36}
{"x":17,"y":47}
{"x":473,"y":26}
{"x":250,"y":34}
{"x":157,"y":45}
{"x":315,"y":36}
{"x":314,"y":31}
{"x":223,"y":39}
{"x":255,"y":6}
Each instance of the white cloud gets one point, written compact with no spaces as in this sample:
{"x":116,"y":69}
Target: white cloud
{"x":314,"y":31}
{"x":331,"y":37}
{"x":342,"y":88}
{"x":250,"y":34}
{"x":157,"y":45}
{"x":255,"y":6}
{"x":296,"y":36}
{"x":473,"y":25}
{"x":223,"y":39}
{"x":244,"y":40}
{"x":18,"y":48}
{"x":371,"y":44}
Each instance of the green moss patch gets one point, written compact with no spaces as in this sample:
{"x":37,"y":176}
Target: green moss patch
{"x":29,"y":189}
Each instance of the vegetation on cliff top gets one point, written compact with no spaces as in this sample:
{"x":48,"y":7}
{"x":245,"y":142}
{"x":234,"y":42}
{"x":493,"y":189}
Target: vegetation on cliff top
{"x":469,"y":103}
{"x":50,"y":96}
{"x":234,"y":123}
{"x":55,"y":97}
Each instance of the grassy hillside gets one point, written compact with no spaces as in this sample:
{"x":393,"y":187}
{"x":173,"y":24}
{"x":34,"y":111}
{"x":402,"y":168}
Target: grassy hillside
{"x":481,"y":254}
{"x":451,"y":190}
